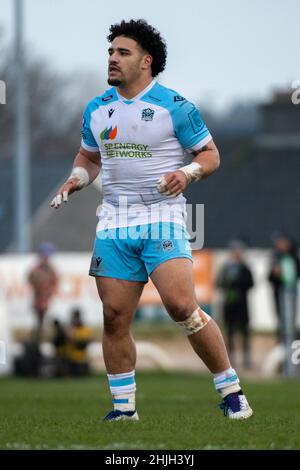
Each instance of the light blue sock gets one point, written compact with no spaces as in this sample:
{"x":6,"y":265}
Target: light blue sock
{"x":227,"y":382}
{"x":123,"y":387}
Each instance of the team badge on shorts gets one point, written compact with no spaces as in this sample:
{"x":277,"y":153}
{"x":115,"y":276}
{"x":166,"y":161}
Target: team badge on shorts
{"x":95,"y":263}
{"x":147,"y":114}
{"x":167,"y":245}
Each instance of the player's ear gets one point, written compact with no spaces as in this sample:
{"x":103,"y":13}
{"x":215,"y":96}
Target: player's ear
{"x":147,"y":61}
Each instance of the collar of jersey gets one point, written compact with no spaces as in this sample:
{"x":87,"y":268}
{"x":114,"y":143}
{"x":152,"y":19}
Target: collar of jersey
{"x":137,"y":97}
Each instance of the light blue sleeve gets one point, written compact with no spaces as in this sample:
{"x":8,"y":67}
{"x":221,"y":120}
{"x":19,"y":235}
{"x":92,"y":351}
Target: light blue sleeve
{"x":189,"y":127}
{"x":88,"y":141}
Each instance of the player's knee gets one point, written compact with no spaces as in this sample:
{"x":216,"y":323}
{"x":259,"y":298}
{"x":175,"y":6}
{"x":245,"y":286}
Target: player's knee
{"x":114,"y":321}
{"x":181,"y":310}
{"x":111,"y":319}
{"x":194,"y":322}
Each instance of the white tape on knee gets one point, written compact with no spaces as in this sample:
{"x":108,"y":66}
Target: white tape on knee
{"x":195,"y":322}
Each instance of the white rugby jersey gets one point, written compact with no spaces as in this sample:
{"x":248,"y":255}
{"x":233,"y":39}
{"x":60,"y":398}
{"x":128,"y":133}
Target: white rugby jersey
{"x":140,"y":140}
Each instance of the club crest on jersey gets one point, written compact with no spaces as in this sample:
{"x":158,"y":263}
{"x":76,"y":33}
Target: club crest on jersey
{"x":147,"y":114}
{"x":167,"y":245}
{"x":109,"y":134}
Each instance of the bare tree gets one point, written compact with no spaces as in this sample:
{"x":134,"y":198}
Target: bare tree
{"x":55,"y":109}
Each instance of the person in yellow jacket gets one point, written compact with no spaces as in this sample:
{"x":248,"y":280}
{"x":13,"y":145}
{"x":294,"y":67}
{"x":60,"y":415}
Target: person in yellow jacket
{"x":79,"y":336}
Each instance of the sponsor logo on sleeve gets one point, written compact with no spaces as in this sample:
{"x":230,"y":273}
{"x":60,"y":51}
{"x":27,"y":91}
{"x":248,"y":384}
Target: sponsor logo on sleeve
{"x":179,"y":98}
{"x":196,"y":121}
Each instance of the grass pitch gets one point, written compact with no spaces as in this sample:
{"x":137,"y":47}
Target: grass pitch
{"x":177,"y":411}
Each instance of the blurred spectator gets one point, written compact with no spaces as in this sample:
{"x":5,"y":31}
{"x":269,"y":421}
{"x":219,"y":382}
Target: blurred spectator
{"x":43,"y":281}
{"x":28,"y":364}
{"x":79,"y":336}
{"x":284,"y":275}
{"x":59,"y":342}
{"x":235,"y":279}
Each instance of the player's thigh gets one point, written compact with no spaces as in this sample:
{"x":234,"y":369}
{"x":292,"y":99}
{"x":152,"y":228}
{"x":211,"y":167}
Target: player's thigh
{"x":174,"y":281}
{"x":119,"y":296}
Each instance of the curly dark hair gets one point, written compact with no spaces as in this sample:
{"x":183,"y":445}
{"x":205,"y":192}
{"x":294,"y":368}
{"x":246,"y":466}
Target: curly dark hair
{"x":147,"y":37}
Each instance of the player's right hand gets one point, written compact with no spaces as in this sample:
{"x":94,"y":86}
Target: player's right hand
{"x":69,"y":187}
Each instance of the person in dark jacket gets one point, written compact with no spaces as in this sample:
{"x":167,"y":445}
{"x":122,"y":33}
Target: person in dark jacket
{"x":283,"y":276}
{"x":235,"y":279}
{"x":59,"y":341}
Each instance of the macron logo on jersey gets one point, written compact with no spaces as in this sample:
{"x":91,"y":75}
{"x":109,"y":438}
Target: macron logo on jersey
{"x":109,"y":134}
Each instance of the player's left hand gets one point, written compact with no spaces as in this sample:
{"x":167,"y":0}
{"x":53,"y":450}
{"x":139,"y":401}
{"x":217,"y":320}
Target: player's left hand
{"x":172,"y":184}
{"x":69,"y":187}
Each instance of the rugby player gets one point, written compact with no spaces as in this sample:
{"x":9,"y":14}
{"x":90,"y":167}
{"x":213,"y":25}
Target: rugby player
{"x":137,"y":133}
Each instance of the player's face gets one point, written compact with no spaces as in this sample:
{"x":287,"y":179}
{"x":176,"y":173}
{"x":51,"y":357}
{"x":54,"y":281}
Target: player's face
{"x":126,"y":62}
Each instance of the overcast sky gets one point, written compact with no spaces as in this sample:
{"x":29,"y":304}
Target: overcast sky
{"x":218,"y":51}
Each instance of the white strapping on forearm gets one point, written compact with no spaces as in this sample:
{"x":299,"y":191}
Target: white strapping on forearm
{"x":193,"y":171}
{"x":82,"y":174}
